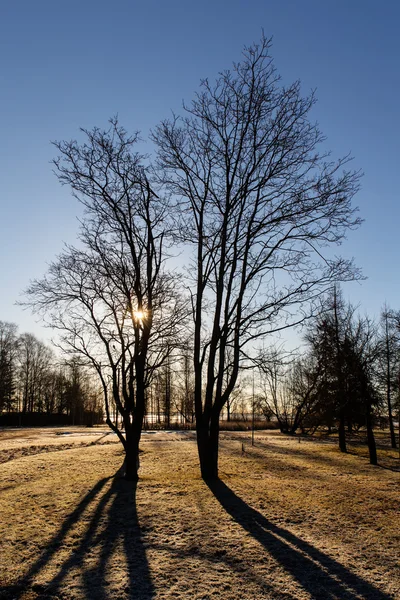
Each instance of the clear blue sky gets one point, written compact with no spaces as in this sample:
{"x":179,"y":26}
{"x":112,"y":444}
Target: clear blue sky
{"x":72,"y":64}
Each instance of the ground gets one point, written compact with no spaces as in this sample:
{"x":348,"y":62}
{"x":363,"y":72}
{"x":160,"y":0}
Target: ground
{"x":287,"y":520}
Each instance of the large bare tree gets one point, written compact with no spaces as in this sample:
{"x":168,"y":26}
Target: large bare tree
{"x":111,"y":299}
{"x":258,"y":202}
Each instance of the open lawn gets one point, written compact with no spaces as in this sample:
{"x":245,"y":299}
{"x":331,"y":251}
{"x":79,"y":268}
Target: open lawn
{"x":288,"y":520}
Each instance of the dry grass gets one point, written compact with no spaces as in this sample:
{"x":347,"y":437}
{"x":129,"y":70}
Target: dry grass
{"x":15,"y":443}
{"x":288,"y":520}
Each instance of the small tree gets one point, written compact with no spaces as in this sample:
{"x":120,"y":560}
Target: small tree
{"x":257,"y":203}
{"x":111,"y":299}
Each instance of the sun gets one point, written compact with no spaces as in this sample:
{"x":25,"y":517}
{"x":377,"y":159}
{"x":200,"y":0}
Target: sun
{"x":139,"y":315}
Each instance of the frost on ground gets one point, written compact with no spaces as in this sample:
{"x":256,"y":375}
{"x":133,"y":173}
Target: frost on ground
{"x":288,"y":520}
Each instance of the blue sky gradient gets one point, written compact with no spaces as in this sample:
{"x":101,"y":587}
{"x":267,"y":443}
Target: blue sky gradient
{"x":75,"y":64}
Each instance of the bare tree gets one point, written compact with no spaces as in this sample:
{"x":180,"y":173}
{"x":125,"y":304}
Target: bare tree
{"x":111,"y":299}
{"x":8,"y":353}
{"x":35,"y":361}
{"x":290,"y":387}
{"x":272,"y":365}
{"x":258,"y":203}
{"x":183,"y":396}
{"x":389,"y":368}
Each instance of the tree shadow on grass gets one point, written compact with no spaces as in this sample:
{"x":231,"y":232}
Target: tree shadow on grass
{"x":320,"y":575}
{"x":330,"y":460}
{"x":114,"y":522}
{"x":100,"y":438}
{"x":388,"y":463}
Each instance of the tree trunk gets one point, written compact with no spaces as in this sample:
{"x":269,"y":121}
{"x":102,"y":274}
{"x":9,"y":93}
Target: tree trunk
{"x":391,"y":427}
{"x":373,"y":459}
{"x":207,"y":445}
{"x":132,"y":453}
{"x":342,"y":434}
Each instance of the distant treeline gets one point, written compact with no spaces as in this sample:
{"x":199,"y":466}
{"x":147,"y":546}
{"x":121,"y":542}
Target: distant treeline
{"x":19,"y":419}
{"x":37,"y":388}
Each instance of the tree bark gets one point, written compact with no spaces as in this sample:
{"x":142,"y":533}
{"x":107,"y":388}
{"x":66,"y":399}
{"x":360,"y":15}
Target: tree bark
{"x":207,"y":445}
{"x":132,"y":453}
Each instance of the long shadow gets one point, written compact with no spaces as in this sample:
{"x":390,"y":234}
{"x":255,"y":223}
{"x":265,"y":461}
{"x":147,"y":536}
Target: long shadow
{"x":320,"y":575}
{"x":15,"y":591}
{"x":393,"y":468}
{"x":114,"y":521}
{"x":291,"y":451}
{"x":311,"y":455}
{"x":213,"y":557}
{"x":100,"y":438}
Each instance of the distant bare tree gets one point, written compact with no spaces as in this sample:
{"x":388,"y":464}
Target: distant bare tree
{"x":182,"y":373}
{"x":290,"y":388}
{"x":272,"y":365}
{"x":258,"y":203}
{"x":35,"y":362}
{"x":111,"y":299}
{"x":8,"y":367}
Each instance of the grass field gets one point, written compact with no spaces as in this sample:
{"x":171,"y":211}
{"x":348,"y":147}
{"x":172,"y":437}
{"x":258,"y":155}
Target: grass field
{"x":288,"y":520}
